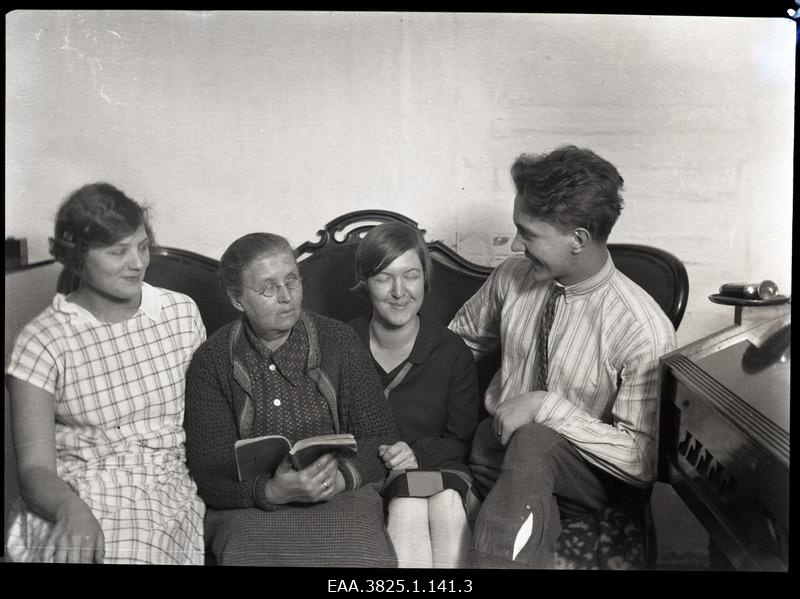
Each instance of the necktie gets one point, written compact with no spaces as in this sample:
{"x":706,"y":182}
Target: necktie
{"x":545,"y":322}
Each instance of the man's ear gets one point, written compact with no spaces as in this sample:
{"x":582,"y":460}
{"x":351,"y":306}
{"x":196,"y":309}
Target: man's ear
{"x":235,"y":301}
{"x":580,"y":237}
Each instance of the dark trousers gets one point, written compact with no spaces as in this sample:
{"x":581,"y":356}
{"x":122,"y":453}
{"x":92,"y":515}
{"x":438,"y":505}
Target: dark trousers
{"x":529,"y":486}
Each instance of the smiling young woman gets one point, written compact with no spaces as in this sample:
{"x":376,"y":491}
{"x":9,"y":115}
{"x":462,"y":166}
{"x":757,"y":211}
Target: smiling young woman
{"x":96,"y":384}
{"x":430,"y":380}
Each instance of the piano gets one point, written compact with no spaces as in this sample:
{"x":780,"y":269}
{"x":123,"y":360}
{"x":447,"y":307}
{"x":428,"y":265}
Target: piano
{"x":724,"y":433}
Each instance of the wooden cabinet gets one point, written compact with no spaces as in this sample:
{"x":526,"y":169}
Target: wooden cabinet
{"x":724,"y":443}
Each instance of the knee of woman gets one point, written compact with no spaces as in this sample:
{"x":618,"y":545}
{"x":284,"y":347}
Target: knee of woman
{"x":446,"y":511}
{"x":408,"y":516}
{"x":449,"y":499}
{"x":408,"y":507}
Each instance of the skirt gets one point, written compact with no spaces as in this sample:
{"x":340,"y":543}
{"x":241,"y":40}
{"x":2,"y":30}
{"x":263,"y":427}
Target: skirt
{"x":347,"y":531}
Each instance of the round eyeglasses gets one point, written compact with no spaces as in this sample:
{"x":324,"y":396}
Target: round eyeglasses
{"x":270,"y":289}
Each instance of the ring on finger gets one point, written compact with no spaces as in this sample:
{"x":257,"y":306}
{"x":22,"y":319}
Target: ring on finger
{"x":325,"y":484}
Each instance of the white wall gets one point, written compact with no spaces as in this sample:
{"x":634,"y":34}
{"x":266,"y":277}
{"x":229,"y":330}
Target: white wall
{"x":225,"y":123}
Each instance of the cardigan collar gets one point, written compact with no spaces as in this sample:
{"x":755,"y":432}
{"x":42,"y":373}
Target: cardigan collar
{"x":285,"y":357}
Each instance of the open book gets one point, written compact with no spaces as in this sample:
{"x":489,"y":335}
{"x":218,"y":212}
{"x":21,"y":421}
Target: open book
{"x":262,"y":455}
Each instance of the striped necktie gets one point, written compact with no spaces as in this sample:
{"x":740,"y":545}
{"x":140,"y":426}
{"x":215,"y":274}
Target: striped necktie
{"x":545,"y":323}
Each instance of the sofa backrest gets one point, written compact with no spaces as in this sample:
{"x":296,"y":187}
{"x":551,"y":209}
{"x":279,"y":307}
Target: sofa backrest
{"x":327,"y":268}
{"x":196,"y":276}
{"x":28,"y":290}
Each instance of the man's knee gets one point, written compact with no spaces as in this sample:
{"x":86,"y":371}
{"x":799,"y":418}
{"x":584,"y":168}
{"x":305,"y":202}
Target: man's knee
{"x":534,"y":439}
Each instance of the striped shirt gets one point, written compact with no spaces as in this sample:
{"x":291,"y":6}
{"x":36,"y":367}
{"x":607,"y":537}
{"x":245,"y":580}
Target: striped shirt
{"x":604,"y":346}
{"x":119,"y":404}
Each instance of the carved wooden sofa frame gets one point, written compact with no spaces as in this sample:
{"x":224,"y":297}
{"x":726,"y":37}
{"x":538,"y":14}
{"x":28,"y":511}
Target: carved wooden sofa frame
{"x":327,"y":268}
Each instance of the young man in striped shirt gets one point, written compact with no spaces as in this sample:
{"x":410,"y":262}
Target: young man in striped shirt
{"x":574,"y":407}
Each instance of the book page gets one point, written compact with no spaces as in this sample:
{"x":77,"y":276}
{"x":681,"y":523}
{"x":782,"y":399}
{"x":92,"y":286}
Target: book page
{"x":306,"y":451}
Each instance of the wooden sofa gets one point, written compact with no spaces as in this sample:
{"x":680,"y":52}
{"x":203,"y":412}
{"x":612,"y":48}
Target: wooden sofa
{"x":327,"y":268}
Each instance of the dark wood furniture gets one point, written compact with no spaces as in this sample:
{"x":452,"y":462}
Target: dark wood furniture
{"x":29,"y":289}
{"x":725,"y":436}
{"x":327,"y":268}
{"x":197,"y":277}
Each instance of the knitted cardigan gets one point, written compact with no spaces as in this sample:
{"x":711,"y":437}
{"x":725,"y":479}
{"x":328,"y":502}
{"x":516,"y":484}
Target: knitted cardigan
{"x":219,"y":409}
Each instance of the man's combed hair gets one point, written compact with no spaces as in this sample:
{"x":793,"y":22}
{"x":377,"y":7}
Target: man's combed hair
{"x":570,"y":188}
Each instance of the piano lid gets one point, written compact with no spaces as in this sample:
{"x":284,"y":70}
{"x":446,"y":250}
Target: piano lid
{"x":759,"y":375}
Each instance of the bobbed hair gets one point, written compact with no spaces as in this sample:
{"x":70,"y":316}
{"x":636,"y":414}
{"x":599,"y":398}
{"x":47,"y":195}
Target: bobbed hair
{"x":94,"y":216}
{"x":243,"y":252}
{"x":382,"y":245}
{"x":570,"y":188}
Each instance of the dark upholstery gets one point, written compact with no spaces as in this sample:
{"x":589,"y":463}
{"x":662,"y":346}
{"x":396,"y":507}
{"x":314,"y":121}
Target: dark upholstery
{"x":327,"y":267}
{"x":659,"y":273}
{"x":28,"y":291}
{"x":196,"y":276}
{"x":328,"y":273}
{"x":613,"y":539}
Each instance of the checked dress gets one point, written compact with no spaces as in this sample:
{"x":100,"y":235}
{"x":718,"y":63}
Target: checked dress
{"x":119,"y":405}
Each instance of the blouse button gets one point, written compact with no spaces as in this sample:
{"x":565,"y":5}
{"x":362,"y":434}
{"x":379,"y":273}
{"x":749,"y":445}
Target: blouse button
{"x":276,"y":402}
{"x":272,"y":367}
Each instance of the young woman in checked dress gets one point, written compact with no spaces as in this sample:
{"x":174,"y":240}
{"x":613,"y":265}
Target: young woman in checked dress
{"x":96,"y":383}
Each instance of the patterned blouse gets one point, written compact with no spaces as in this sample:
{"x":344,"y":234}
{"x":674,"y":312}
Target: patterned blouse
{"x":119,"y":404}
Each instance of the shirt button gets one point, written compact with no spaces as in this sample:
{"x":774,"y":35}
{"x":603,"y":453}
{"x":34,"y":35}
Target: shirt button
{"x":276,"y":402}
{"x":272,"y":367}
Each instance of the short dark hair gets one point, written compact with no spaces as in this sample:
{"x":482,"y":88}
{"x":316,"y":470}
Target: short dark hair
{"x":245,"y":250}
{"x":383,"y":244}
{"x":570,"y":187}
{"x":95,"y":215}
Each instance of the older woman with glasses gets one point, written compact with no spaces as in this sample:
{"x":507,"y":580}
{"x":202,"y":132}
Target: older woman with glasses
{"x":279,"y":370}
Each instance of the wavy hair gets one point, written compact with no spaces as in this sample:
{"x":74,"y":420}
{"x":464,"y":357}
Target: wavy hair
{"x":94,"y":216}
{"x":570,"y":187}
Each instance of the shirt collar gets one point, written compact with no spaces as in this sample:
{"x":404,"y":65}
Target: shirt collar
{"x":151,"y":302}
{"x":592,"y":284}
{"x":150,"y":306}
{"x":289,"y":358}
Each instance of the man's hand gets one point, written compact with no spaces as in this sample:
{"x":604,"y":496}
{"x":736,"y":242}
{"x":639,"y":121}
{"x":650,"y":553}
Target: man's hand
{"x":516,"y":412}
{"x":398,"y":456}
